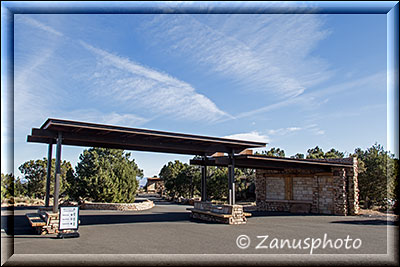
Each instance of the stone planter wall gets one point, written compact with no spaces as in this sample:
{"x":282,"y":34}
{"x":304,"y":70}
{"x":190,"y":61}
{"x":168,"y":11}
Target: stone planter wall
{"x":145,"y":205}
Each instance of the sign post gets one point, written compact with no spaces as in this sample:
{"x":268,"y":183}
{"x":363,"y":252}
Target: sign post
{"x":68,"y":222}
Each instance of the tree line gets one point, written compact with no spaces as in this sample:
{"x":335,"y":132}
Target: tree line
{"x":184,"y":180}
{"x":377,"y":175}
{"x":109,"y":175}
{"x":101,"y":175}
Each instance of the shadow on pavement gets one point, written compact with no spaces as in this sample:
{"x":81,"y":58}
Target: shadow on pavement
{"x":20,"y":208}
{"x":283,"y":213}
{"x":134,"y":218}
{"x":16,"y":225}
{"x":166,"y":203}
{"x":368,"y":222}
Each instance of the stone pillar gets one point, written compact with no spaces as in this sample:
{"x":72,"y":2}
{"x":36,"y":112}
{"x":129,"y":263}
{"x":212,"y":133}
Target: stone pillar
{"x":340,"y":197}
{"x":353,"y":191}
{"x":315,"y":195}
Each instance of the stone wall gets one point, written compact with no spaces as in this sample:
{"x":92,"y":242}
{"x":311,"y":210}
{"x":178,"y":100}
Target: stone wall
{"x":303,"y":188}
{"x":275,"y":188}
{"x":335,"y":192}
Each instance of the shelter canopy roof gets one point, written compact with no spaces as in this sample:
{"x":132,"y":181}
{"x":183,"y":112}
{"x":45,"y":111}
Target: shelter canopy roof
{"x":274,"y":163}
{"x":79,"y":133}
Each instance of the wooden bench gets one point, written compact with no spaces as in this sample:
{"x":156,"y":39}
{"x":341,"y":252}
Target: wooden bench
{"x":35,"y":220}
{"x":43,"y":222}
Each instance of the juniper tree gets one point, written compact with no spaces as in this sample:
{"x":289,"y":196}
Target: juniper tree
{"x":106,"y":175}
{"x":377,"y":177}
{"x":35,"y":174}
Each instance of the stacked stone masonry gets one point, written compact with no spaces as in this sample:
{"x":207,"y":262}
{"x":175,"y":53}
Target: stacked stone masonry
{"x":275,"y":187}
{"x":335,"y":192}
{"x":302,"y":188}
{"x":145,"y":205}
{"x":209,"y":212}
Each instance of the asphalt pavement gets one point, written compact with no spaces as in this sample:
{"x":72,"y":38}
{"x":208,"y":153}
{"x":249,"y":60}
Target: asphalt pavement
{"x":168,"y":229}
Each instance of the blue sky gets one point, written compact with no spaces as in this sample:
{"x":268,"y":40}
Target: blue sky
{"x":293,"y":81}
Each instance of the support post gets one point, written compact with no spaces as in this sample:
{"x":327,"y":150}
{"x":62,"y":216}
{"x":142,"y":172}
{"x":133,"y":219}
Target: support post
{"x":204,"y":181}
{"x":49,"y":156}
{"x":57,"y":173}
{"x":231,"y":180}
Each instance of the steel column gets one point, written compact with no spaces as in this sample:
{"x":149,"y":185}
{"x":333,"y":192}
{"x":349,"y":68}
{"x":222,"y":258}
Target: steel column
{"x":57,"y":173}
{"x":204,"y":181}
{"x":229,"y":184}
{"x":231,"y":180}
{"x":49,"y":161}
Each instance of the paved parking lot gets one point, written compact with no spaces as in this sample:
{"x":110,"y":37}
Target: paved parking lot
{"x":168,"y":229}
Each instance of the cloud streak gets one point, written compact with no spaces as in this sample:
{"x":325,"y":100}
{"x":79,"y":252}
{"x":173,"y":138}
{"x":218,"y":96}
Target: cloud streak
{"x":39,"y":90}
{"x":35,"y":23}
{"x":107,"y":78}
{"x":265,"y":53}
{"x":250,"y":136}
{"x":131,"y":83}
{"x":284,"y":131}
{"x":95,"y":116}
{"x":316,"y":97}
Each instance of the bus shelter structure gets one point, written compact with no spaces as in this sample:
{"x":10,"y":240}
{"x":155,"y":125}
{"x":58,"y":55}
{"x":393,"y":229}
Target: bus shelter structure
{"x":323,"y":186}
{"x":77,"y":133}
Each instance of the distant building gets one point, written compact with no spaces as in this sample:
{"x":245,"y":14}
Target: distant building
{"x":154,"y":185}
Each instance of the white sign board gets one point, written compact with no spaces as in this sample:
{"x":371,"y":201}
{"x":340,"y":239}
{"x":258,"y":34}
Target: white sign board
{"x":69,"y":217}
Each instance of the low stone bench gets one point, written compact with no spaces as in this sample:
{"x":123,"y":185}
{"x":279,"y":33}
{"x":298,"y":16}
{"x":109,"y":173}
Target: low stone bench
{"x":230,"y":214}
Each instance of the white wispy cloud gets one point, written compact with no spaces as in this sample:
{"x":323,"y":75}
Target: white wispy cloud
{"x":315,"y":98}
{"x":39,"y":93}
{"x":314,"y":129}
{"x":279,"y":104}
{"x":96,"y":116}
{"x":35,"y":23}
{"x":269,"y":53}
{"x":131,"y":83}
{"x":283,"y":131}
{"x":34,"y":90}
{"x":250,"y":136}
